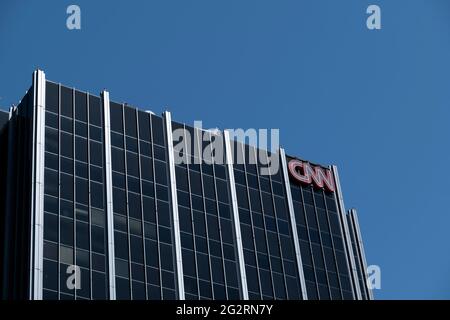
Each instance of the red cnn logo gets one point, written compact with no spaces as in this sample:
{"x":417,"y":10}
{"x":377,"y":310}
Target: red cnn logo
{"x":307,"y":174}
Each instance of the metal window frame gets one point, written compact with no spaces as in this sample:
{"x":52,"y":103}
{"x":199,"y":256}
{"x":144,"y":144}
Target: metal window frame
{"x":37,"y":187}
{"x":174,"y":205}
{"x":353,"y":215}
{"x":109,"y":194}
{"x":345,"y":232}
{"x":237,"y":224}
{"x":293,"y":225}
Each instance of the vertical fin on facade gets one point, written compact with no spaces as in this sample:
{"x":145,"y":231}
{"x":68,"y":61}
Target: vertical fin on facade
{"x":109,"y":196}
{"x":236,"y":220}
{"x":293,"y":224}
{"x":353,"y":215}
{"x":174,"y":205}
{"x":347,"y":241}
{"x":37,"y":201}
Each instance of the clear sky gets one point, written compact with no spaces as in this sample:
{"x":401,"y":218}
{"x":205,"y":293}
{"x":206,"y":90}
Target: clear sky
{"x":375,"y":103}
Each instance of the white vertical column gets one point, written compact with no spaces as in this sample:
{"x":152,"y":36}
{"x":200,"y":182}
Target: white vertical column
{"x":174,"y":205}
{"x":109,"y":196}
{"x":293,"y":224}
{"x":236,"y":220}
{"x":360,"y":247}
{"x":37,"y":188}
{"x":347,"y":240}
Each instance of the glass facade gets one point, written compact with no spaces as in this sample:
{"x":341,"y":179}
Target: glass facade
{"x":207,"y":238}
{"x":79,"y":204}
{"x":74,"y":202}
{"x":321,"y":243}
{"x":269,"y":255}
{"x":143,"y":233}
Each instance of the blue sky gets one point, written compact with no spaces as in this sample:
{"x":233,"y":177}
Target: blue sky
{"x":375,"y":103}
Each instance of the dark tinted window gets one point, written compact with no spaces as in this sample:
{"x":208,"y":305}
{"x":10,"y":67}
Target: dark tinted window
{"x":80,"y":106}
{"x":116,"y":117}
{"x":95,"y":112}
{"x":66,"y":102}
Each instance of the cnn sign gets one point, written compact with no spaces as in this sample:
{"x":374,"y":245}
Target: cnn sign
{"x":306,"y":173}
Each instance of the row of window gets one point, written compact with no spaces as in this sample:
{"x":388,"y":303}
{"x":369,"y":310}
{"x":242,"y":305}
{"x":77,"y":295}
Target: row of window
{"x":129,"y":121}
{"x":60,"y":100}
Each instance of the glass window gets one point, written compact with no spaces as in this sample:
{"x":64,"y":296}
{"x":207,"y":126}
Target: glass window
{"x":203,"y":266}
{"x":66,"y":145}
{"x":66,"y":165}
{"x":96,"y":153}
{"x":50,"y":274}
{"x":98,"y":262}
{"x":51,"y":140}
{"x":50,"y":227}
{"x":135,"y":227}
{"x":82,"y":191}
{"x":146,"y":148}
{"x":130,"y":121}
{"x":160,"y":172}
{"x":122,"y":268}
{"x":132,"y":144}
{"x":81,"y":149}
{"x":81,"y":129}
{"x":98,"y":217}
{"x":116,"y":117}
{"x":51,"y":120}
{"x":81,"y":169}
{"x":66,"y":234}
{"x":82,"y":213}
{"x":66,"y":102}
{"x":222,"y":190}
{"x":147,"y":168}
{"x":118,"y":161}
{"x":98,"y":239}
{"x":119,"y":201}
{"x":162,"y":193}
{"x":51,"y":161}
{"x":134,"y":184}
{"x":137,"y":250}
{"x":149,"y":209}
{"x":82,"y":235}
{"x":51,"y":204}
{"x":132,"y":164}
{"x":95,"y":133}
{"x":99,"y":286}
{"x":118,"y":180}
{"x":67,"y":125}
{"x":66,"y":186}
{"x":95,"y":111}
{"x":80,"y":106}
{"x":51,"y":97}
{"x":122,"y":289}
{"x":147,"y":188}
{"x":96,"y":173}
{"x":96,"y":195}
{"x":163,"y":213}
{"x":120,"y":223}
{"x":117,"y":140}
{"x":151,"y":254}
{"x":134,"y":205}
{"x":166,"y":257}
{"x":51,"y":182}
{"x":50,"y":250}
{"x":144,"y":125}
{"x":158,"y":131}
